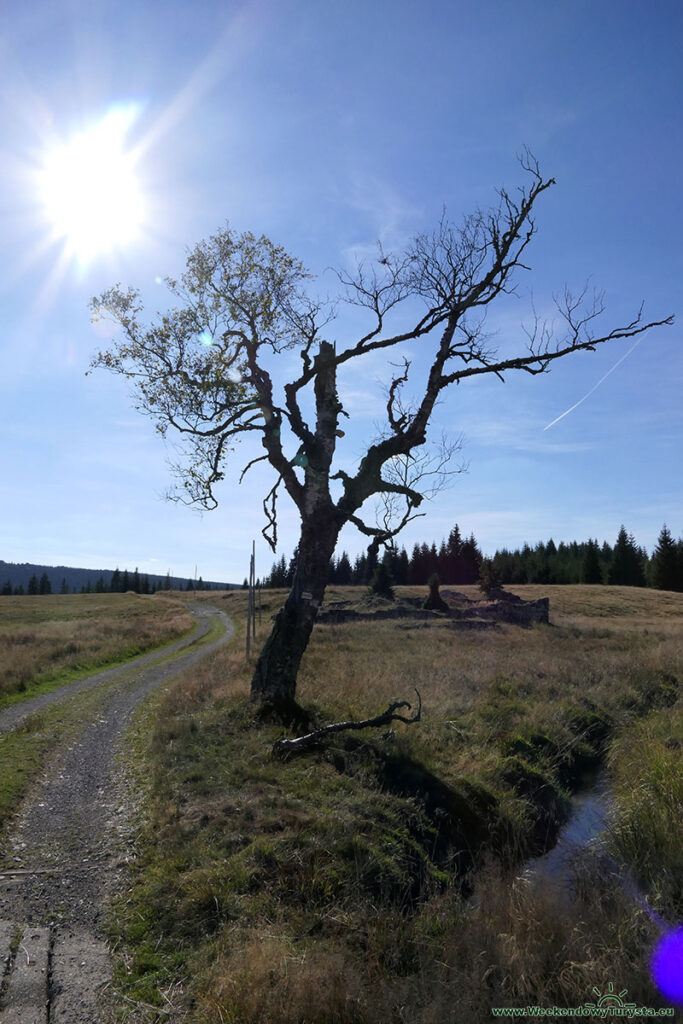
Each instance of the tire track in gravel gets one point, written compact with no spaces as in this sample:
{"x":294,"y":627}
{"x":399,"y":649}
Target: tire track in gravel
{"x":58,"y":864}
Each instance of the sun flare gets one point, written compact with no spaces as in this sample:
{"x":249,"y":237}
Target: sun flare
{"x":90,"y":190}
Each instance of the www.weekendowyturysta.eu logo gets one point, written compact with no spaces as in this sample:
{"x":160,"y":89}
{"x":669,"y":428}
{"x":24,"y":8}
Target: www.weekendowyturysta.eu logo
{"x":610,"y":998}
{"x":608,"y":1005}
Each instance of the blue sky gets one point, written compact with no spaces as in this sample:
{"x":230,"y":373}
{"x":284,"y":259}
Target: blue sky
{"x":329,"y":127}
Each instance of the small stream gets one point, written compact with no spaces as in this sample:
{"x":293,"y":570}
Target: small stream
{"x":589,"y":817}
{"x":592,"y":809}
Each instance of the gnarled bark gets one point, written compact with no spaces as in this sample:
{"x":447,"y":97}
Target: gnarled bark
{"x":273,"y":684}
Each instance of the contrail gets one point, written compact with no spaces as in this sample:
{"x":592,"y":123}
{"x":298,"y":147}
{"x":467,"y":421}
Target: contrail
{"x":594,"y":388}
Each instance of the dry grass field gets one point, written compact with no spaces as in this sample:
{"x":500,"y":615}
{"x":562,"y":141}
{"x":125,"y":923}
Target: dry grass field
{"x":50,"y":638}
{"x":375,"y":880}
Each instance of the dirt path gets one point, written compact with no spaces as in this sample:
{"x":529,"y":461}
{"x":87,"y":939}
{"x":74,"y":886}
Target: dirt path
{"x":59,"y":863}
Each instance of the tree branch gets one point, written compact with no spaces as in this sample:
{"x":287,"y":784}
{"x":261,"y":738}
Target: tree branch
{"x":284,"y":746}
{"x":538,"y":361}
{"x":269,"y":531}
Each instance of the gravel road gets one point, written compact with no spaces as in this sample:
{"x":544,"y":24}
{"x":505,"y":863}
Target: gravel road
{"x":59,"y":862}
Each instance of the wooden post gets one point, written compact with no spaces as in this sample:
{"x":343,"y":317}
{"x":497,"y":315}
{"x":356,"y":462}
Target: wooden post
{"x":251,"y":603}
{"x":248,"y":628}
{"x":253,"y":589}
{"x":249,"y":612}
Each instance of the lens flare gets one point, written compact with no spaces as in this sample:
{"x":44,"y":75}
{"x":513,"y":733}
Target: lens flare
{"x":667,"y":966}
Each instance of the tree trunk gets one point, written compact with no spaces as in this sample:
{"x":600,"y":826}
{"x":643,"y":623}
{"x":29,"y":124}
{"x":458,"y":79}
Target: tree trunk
{"x":273,"y":684}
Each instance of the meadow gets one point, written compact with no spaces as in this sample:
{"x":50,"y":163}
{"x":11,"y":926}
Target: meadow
{"x":377,"y":879}
{"x":48,"y":640}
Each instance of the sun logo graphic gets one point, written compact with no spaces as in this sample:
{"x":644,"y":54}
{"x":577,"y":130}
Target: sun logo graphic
{"x":610,"y":998}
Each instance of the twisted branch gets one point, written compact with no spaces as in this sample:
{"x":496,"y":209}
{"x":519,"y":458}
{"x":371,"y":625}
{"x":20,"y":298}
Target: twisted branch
{"x":285,"y":746}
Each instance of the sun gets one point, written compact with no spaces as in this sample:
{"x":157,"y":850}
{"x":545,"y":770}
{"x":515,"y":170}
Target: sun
{"x":90,"y":190}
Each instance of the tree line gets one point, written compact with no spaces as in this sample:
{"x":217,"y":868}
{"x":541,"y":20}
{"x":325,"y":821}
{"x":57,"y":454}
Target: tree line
{"x":459,"y":561}
{"x":116,"y":582}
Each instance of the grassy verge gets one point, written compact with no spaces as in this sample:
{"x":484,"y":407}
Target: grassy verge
{"x":647,"y":770}
{"x":48,"y":641}
{"x":332,"y":887}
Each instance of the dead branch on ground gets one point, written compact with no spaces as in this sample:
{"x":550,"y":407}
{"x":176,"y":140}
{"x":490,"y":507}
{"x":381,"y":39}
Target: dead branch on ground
{"x":310,"y":739}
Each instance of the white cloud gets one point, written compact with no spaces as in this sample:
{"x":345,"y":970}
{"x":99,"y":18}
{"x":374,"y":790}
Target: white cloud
{"x":387,"y":214}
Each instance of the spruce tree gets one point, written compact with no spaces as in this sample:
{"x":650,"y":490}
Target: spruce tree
{"x":33,"y":585}
{"x":626,"y":569}
{"x":591,"y":570}
{"x":401,"y":567}
{"x":472,"y":559}
{"x":7,"y":589}
{"x":44,"y":586}
{"x":666,"y":566}
{"x":433,"y":561}
{"x":489,"y":578}
{"x":415,"y":566}
{"x":370,"y":565}
{"x":381,"y":582}
{"x":454,"y":561}
{"x":278,"y":574}
{"x":344,"y":570}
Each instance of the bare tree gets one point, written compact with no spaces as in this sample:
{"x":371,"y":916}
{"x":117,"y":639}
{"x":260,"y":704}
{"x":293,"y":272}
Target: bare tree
{"x":423,"y":473}
{"x":209,"y":369}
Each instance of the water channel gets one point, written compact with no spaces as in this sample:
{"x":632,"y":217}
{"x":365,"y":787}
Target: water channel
{"x":589,"y":817}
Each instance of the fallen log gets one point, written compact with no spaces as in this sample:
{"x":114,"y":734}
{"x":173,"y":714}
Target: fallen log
{"x":310,"y":739}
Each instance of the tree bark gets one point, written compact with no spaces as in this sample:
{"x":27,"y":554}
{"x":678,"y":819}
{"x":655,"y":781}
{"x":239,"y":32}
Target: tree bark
{"x":273,"y":684}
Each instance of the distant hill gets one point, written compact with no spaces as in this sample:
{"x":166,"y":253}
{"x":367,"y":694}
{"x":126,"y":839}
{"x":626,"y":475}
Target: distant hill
{"x":18,"y":574}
